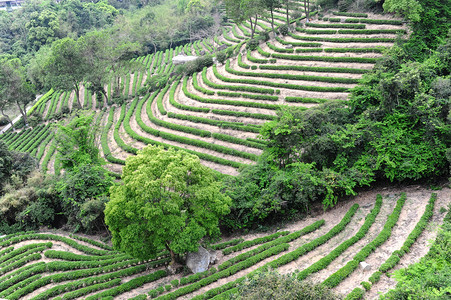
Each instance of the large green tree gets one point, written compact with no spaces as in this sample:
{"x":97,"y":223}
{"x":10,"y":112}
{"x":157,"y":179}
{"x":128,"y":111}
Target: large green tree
{"x":168,"y":200}
{"x":65,"y":67}
{"x":15,"y":88}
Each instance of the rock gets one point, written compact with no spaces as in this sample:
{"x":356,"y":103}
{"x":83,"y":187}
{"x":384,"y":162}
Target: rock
{"x":172,"y":269}
{"x":181,"y":59}
{"x":368,"y":205}
{"x":365,"y":267}
{"x":272,"y":35}
{"x":289,"y":47}
{"x":213,"y":257}
{"x":222,"y":47}
{"x":202,"y":52}
{"x":199,"y":261}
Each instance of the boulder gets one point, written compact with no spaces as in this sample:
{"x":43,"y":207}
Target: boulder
{"x":199,"y":261}
{"x":272,"y":35}
{"x":181,"y":59}
{"x":289,"y":47}
{"x":365,"y":266}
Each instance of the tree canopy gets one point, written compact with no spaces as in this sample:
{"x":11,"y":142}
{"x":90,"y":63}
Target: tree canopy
{"x":168,"y":200}
{"x":15,"y":89}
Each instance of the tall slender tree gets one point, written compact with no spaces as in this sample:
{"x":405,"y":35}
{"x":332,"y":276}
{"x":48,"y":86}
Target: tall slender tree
{"x":15,"y":87}
{"x":271,"y":5}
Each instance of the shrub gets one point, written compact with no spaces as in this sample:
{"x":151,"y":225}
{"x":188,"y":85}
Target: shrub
{"x":153,"y":293}
{"x":198,"y":64}
{"x":296,"y":14}
{"x":283,"y":29}
{"x":263,"y":36}
{"x":4,"y":121}
{"x":221,"y":57}
{"x":366,"y":285}
{"x":252,"y":44}
{"x":175,"y":282}
{"x":271,"y":285}
{"x":355,"y":294}
{"x":34,"y":120}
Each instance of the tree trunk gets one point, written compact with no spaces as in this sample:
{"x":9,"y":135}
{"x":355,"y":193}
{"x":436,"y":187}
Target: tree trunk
{"x":9,"y":120}
{"x":172,"y":254}
{"x":272,"y":19}
{"x":118,"y":85}
{"x":105,"y":96}
{"x":252,"y":28}
{"x":255,"y":23}
{"x":308,"y":10}
{"x":77,"y":92}
{"x":23,"y":112}
{"x":305,"y":10}
{"x":288,"y":17}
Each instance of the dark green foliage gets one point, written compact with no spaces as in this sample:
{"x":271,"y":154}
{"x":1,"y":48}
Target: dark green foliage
{"x":429,"y":32}
{"x":81,"y":190}
{"x":3,"y":121}
{"x":76,"y":143}
{"x":197,"y":65}
{"x":283,"y":29}
{"x":273,"y":286}
{"x":221,"y":57}
{"x":252,"y":44}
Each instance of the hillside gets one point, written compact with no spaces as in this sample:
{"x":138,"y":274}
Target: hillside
{"x":312,"y":123}
{"x":217,"y":113}
{"x":47,"y":264}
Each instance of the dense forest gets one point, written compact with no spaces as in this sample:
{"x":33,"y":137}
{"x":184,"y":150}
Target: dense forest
{"x":393,"y":126}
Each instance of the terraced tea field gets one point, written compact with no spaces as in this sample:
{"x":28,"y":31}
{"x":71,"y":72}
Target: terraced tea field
{"x":217,"y":113}
{"x":387,"y":230}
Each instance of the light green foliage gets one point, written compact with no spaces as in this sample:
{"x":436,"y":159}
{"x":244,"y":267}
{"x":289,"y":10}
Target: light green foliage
{"x":77,"y":143}
{"x":65,"y":67}
{"x":43,"y":28}
{"x":411,"y":9}
{"x":168,"y":200}
{"x":15,"y":89}
{"x":273,"y":286}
